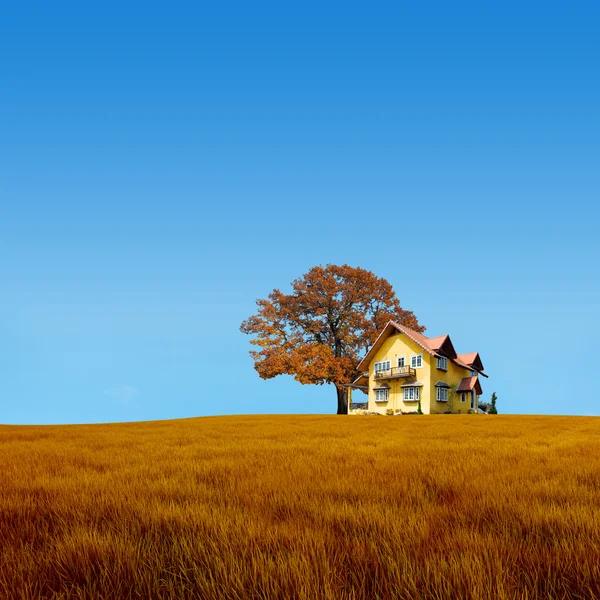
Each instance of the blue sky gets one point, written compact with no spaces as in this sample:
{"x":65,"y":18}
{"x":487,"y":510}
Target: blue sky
{"x":162,"y":165}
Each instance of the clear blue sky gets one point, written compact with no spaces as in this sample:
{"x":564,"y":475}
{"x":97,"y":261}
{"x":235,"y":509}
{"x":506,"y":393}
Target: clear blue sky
{"x":163,"y":165}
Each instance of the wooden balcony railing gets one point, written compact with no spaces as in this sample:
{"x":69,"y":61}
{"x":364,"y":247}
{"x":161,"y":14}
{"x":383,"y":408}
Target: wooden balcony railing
{"x":395,"y":372}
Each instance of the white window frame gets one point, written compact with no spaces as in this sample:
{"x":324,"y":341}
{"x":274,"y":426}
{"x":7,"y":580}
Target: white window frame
{"x":411,"y":394}
{"x":403,"y":359}
{"x":384,"y":393}
{"x":442,"y":363}
{"x":378,"y":366}
{"x":413,"y":361}
{"x":442,"y":394}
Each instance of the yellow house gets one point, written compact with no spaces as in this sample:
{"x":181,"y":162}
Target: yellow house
{"x":404,"y":367}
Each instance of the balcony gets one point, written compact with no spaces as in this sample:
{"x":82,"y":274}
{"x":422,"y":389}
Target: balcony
{"x":396,"y":373}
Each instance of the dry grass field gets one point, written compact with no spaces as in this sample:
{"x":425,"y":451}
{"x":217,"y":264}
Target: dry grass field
{"x":471,"y":506}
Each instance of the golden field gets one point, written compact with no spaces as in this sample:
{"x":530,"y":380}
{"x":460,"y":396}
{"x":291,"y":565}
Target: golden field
{"x":460,"y":506}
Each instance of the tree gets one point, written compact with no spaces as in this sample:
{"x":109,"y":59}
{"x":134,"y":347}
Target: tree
{"x":493,"y":409}
{"x":452,"y":395}
{"x":419,"y":409}
{"x":318,"y":332}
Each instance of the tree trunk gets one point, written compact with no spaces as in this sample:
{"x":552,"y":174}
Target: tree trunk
{"x":342,"y":397}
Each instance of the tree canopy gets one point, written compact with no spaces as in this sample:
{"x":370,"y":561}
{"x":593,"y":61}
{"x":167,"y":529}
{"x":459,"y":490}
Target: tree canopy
{"x":319,"y":331}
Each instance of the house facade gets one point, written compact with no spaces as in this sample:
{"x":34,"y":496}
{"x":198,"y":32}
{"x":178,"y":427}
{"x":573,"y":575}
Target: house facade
{"x":404,"y":367}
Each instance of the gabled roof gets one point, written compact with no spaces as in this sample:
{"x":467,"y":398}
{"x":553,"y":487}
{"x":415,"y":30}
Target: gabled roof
{"x":437,"y":346}
{"x":472,"y":359}
{"x":442,"y":384}
{"x":391,"y":327}
{"x":469,"y":383}
{"x":443,"y":345}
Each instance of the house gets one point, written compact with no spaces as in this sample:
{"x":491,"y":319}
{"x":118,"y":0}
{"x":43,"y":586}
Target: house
{"x":404,"y":366}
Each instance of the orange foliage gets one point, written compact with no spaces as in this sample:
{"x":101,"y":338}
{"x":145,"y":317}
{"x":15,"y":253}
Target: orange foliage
{"x":318,"y":332}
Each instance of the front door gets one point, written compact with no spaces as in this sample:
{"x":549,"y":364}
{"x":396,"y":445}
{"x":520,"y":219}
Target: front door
{"x":473,"y":400}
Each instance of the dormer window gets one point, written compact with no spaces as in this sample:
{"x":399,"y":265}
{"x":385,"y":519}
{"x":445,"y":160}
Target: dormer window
{"x":416,"y":361}
{"x":442,"y":363}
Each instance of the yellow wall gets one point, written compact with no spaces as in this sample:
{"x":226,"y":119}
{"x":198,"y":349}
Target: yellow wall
{"x":451,"y":377}
{"x":393,"y":347}
{"x":400,"y":345}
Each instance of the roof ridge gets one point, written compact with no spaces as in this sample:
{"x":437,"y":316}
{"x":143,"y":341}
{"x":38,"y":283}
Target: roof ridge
{"x":421,"y":340}
{"x":414,"y":337}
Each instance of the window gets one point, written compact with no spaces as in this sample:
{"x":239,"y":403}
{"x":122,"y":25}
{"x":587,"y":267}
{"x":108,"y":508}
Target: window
{"x":400,"y":361}
{"x":383,"y":365}
{"x":381,"y":395}
{"x":442,"y":364}
{"x":463,"y":397}
{"x":411,"y":394}
{"x":416,"y":361}
{"x":473,"y":373}
{"x":442,"y":394}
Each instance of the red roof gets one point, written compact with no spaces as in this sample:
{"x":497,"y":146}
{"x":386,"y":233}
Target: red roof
{"x":416,"y":337}
{"x":461,"y":363}
{"x":472,"y":359}
{"x":468,"y":358}
{"x":469,"y":383}
{"x":437,"y":346}
{"x":437,"y":342}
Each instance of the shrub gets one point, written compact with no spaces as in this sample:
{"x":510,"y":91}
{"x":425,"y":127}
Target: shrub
{"x":493,"y":409}
{"x":389,"y":412}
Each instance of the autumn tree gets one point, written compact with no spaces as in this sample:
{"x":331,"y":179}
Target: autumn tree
{"x":319,"y":331}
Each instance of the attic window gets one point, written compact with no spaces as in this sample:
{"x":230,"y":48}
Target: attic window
{"x":442,"y":363}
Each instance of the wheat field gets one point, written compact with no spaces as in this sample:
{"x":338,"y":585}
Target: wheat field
{"x":461,"y":506}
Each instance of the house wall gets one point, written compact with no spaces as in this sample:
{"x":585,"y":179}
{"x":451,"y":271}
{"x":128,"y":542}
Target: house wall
{"x":393,"y":347}
{"x":401,"y":345}
{"x":451,"y":377}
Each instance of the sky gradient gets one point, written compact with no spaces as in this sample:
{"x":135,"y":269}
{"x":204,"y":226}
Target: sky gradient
{"x":164,"y":165}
